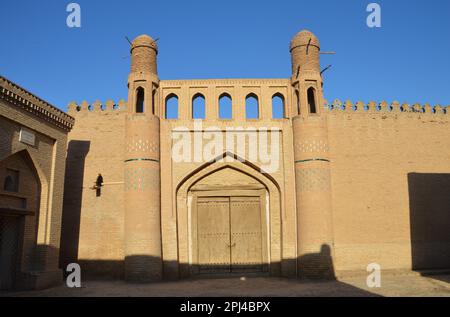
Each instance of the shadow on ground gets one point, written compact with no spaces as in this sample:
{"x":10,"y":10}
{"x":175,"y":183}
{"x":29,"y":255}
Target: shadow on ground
{"x":207,"y":287}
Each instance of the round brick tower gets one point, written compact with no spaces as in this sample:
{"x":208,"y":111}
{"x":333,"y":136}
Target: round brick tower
{"x":312,"y":161}
{"x":142,"y":167}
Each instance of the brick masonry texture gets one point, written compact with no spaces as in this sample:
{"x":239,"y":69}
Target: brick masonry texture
{"x":347,"y":204}
{"x":356,"y":183}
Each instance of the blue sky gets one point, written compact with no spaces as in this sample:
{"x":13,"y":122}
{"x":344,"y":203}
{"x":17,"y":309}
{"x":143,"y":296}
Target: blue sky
{"x":407,"y":59}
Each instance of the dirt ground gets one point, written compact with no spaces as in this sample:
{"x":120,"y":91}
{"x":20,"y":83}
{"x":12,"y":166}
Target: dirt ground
{"x":394,"y":285}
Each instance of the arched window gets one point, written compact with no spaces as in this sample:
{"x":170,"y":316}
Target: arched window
{"x":312,"y":100}
{"x":297,"y":101}
{"x":153,"y":101}
{"x":172,"y":107}
{"x":11,"y":182}
{"x":225,"y":107}
{"x":278,"y":106}
{"x":198,"y":107}
{"x":8,"y":185}
{"x":252,"y":107}
{"x":140,"y":97}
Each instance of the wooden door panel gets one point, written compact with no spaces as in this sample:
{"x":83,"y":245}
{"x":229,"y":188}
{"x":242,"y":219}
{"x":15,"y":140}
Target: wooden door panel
{"x":213,"y":234}
{"x":246,"y":234}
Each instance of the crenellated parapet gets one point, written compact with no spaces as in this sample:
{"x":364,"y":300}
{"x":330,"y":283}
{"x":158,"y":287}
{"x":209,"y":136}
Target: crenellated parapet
{"x":384,"y":108}
{"x":97,"y":107}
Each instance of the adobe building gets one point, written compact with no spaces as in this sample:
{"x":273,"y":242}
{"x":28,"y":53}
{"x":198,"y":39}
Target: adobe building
{"x":33,"y":142}
{"x":287,"y":185}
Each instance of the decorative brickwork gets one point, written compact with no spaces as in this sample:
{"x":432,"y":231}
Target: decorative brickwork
{"x":314,"y":180}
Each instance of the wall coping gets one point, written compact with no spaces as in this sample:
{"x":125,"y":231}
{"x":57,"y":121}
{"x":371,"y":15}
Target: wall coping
{"x":383,"y":107}
{"x":22,"y":98}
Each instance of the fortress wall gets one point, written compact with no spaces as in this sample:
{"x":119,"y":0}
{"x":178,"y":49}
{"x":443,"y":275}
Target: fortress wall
{"x":93,"y":226}
{"x":389,"y":166}
{"x":390,"y":183}
{"x":390,"y":186}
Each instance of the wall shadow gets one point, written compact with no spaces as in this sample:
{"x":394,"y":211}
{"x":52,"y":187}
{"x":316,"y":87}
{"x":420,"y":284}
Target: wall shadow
{"x":429,"y":201}
{"x":318,"y":277}
{"x":438,"y":276}
{"x":73,"y":194}
{"x":102,"y":269}
{"x":230,"y":284}
{"x":40,"y":273}
{"x":316,"y":266}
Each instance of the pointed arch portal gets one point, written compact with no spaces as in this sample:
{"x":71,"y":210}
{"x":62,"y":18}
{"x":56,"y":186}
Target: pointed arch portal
{"x":228,"y":216}
{"x":20,"y":204}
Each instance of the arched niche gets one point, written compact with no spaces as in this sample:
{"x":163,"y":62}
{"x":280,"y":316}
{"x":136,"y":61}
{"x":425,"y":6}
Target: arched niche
{"x":140,"y":100}
{"x":28,"y":205}
{"x":20,"y":174}
{"x":241,"y":175}
{"x":312,"y":100}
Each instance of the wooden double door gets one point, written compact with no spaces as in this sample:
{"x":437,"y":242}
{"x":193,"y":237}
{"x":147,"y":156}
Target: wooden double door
{"x":230,"y":234}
